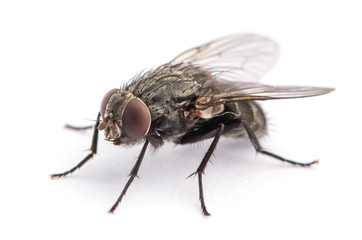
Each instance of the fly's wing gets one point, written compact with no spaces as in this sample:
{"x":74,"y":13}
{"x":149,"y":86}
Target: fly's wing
{"x":219,"y":92}
{"x":242,"y":57}
{"x":237,"y":63}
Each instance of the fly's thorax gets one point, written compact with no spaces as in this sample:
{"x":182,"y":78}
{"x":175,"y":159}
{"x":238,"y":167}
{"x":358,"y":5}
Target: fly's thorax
{"x":125,"y":118}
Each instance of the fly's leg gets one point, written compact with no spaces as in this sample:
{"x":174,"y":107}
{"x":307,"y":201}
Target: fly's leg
{"x":259,"y":148}
{"x":132,"y":175}
{"x":201,"y":168}
{"x":93,"y":150}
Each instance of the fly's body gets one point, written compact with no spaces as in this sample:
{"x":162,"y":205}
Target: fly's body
{"x":206,"y":92}
{"x":175,"y":115}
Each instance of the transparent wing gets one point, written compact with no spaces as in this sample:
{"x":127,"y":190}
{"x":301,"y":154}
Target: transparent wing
{"x":223,"y":92}
{"x":242,"y":57}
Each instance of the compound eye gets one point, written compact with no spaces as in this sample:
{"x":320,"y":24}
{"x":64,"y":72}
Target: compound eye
{"x":136,"y":119}
{"x":106,"y":99}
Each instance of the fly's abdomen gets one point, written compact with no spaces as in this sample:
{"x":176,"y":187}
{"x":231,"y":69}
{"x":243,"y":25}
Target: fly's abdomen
{"x":250,"y":113}
{"x":232,"y":117}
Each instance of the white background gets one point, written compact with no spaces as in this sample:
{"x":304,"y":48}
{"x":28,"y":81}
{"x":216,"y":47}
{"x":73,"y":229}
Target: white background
{"x":58,"y":59}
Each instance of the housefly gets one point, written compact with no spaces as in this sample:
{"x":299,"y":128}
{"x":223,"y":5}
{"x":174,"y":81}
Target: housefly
{"x":206,"y":92}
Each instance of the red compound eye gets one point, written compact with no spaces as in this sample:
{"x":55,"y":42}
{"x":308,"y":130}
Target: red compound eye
{"x":106,"y":99}
{"x":136,"y":119}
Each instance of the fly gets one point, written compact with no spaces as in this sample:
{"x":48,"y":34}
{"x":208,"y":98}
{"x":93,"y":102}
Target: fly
{"x":205,"y":92}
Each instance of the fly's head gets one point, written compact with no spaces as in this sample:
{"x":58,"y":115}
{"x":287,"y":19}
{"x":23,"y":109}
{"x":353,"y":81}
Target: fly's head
{"x":125,"y":118}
